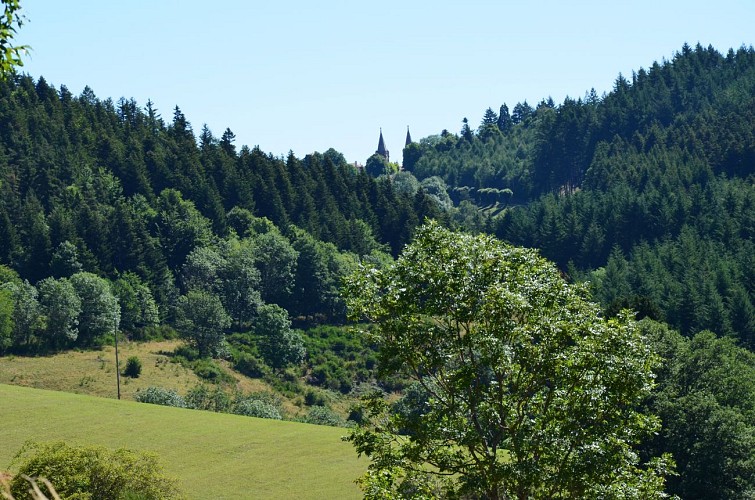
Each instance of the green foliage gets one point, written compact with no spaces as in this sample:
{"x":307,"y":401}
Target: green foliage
{"x":8,"y":275}
{"x":278,"y":343}
{"x":339,"y":357}
{"x":436,"y":189}
{"x":256,"y":408}
{"x":202,"y":321}
{"x":229,"y":271}
{"x":260,"y":405}
{"x":28,"y":321}
{"x":405,"y":182}
{"x":181,"y":226}
{"x":100,"y":312}
{"x":10,"y":20}
{"x":133,"y":367}
{"x":208,"y":370}
{"x":7,"y":325}
{"x":250,"y":365}
{"x":520,"y":369}
{"x":114,"y":189}
{"x":138,"y":307}
{"x":377,"y":165}
{"x":276,"y":261}
{"x":160,"y":396}
{"x":214,"y":399}
{"x":62,"y":308}
{"x":65,"y":261}
{"x":92,"y":472}
{"x":706,"y":399}
{"x":322,"y":415}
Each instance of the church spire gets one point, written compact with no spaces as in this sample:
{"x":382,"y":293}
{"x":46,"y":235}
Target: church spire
{"x":381,"y":147}
{"x":408,"y":136}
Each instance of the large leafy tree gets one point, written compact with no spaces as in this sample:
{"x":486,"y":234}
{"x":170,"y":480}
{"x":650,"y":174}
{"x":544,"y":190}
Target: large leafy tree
{"x":279,"y":344}
{"x":27,"y":316}
{"x":202,"y":321}
{"x":276,"y":261}
{"x":138,"y":306}
{"x":100,"y":311}
{"x":528,"y":392}
{"x":61,"y":307}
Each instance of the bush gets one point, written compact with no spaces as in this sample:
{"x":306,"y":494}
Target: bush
{"x":257,"y":408}
{"x":133,"y":367}
{"x":251,"y":366}
{"x":321,"y":415}
{"x":160,"y":396}
{"x":210,"y":371}
{"x":202,"y":397}
{"x":187,"y":352}
{"x":312,"y":398}
{"x":92,"y":472}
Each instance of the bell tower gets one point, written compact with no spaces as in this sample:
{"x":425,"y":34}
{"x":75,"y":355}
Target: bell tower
{"x":381,"y":148}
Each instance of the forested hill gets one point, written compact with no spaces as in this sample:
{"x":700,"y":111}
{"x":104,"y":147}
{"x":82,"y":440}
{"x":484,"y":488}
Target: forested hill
{"x":647,"y":191}
{"x":113,"y":189}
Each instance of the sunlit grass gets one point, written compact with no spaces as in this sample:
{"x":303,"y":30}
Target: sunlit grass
{"x":213,"y":455}
{"x":93,"y":372}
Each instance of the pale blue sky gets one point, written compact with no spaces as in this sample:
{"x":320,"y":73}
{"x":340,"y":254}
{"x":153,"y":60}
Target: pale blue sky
{"x":310,"y":75}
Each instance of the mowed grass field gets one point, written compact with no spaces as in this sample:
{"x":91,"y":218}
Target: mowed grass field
{"x":213,"y":455}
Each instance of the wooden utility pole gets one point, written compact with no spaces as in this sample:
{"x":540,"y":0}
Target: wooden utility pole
{"x":117,"y":365}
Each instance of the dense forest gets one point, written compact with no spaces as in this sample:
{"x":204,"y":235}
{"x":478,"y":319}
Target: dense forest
{"x":110,"y":189}
{"x":648,"y":191}
{"x":111,"y":215}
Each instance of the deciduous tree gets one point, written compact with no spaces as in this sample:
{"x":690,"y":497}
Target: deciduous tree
{"x":100,"y":311}
{"x":529,"y":392}
{"x":61,"y":307}
{"x":202,"y":321}
{"x":279,"y":345}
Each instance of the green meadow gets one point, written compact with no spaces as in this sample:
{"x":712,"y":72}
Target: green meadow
{"x":212,"y":455}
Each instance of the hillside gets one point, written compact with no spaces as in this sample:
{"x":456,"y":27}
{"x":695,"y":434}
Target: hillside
{"x":212,"y":455}
{"x":648,"y":191}
{"x":112,"y":217}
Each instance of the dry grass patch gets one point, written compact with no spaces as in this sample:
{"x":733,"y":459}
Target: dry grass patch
{"x":93,"y":372}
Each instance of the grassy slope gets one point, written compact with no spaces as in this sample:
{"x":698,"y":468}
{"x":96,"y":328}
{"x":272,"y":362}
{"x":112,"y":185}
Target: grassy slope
{"x":93,"y":372}
{"x":213,"y":455}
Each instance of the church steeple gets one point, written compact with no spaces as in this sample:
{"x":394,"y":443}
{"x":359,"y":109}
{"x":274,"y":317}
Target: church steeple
{"x":408,"y":136}
{"x":381,"y":147}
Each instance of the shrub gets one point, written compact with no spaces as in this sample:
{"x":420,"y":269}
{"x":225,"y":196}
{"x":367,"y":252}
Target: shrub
{"x":202,"y":397}
{"x":185,"y":351}
{"x":257,"y":408}
{"x":250,"y":366}
{"x":160,"y":396}
{"x":312,"y":398}
{"x":133,"y":367}
{"x":210,"y":371}
{"x":321,"y":415}
{"x":92,"y":472}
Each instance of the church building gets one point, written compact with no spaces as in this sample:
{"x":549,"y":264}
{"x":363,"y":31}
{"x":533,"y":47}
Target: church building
{"x":381,"y":149}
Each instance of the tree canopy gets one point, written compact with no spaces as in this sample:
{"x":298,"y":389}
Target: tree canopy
{"x":526,"y":391}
